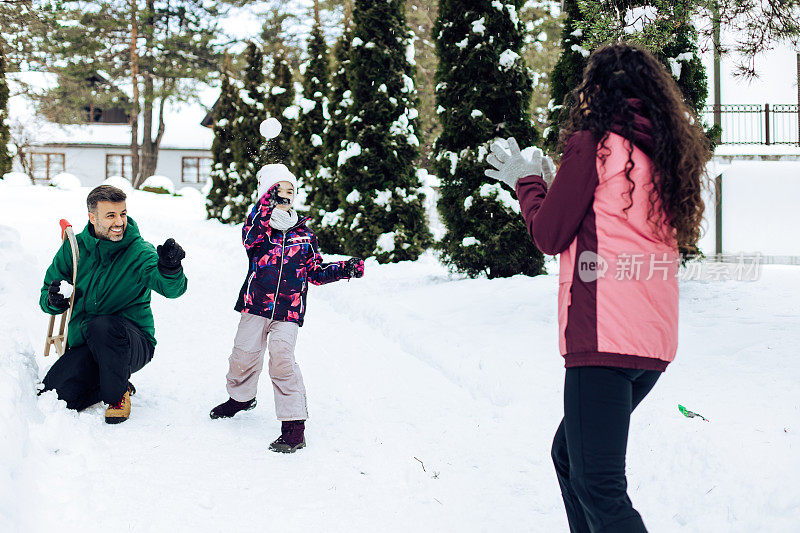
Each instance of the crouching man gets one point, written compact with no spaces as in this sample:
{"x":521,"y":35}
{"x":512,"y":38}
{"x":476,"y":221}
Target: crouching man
{"x":111,"y":331}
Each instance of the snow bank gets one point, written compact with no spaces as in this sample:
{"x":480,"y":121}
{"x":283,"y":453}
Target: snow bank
{"x":66,"y":182}
{"x":18,"y":377}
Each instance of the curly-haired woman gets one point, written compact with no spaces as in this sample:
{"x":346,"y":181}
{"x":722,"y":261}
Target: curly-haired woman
{"x":626,"y":198}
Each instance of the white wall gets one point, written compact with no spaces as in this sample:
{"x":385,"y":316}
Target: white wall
{"x":760,"y":212}
{"x":776,"y":82}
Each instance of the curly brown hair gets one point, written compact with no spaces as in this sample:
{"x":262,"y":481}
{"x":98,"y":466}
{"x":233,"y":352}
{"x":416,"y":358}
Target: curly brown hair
{"x":621,"y":71}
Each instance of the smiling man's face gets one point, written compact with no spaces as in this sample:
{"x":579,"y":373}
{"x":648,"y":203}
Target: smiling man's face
{"x":110,"y":220}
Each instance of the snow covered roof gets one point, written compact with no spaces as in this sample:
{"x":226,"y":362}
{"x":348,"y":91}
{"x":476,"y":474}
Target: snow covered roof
{"x":183,"y":119}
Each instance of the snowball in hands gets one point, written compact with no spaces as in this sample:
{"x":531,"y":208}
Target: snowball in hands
{"x":65,"y":289}
{"x":270,"y":128}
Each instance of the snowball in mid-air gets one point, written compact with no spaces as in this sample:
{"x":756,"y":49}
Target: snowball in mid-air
{"x":65,"y":289}
{"x":270,"y":128}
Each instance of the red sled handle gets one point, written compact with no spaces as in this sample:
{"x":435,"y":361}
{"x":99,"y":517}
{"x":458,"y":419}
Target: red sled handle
{"x":64,"y":225}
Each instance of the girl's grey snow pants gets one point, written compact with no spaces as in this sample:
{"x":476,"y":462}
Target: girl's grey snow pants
{"x":255,"y":335}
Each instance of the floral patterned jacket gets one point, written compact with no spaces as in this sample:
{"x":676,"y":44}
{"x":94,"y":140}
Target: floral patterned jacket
{"x":281,"y":264}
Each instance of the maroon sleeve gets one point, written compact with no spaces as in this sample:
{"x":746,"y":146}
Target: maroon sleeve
{"x":553,"y":217}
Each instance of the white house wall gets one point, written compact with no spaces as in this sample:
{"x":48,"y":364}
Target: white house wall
{"x":88,"y":163}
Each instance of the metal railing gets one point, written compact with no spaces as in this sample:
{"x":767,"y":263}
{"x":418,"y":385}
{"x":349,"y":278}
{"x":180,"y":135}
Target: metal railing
{"x":756,"y":124}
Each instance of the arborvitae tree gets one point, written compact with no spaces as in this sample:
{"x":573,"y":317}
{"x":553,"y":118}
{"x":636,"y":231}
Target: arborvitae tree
{"x":223,"y":168}
{"x":326,"y":205}
{"x":280,"y":104}
{"x":249,"y":152}
{"x":383,"y":214}
{"x":307,"y":139}
{"x":567,"y":73}
{"x":6,"y":158}
{"x":483,"y":92}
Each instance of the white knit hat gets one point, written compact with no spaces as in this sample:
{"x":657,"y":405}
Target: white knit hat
{"x":269,"y":175}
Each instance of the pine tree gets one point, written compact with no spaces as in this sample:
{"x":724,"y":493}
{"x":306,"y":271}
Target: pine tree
{"x":382,"y":213}
{"x":6,"y":159}
{"x":223,"y":169}
{"x":249,"y":153}
{"x":483,"y":92}
{"x":280,"y":104}
{"x":326,"y":204}
{"x":307,"y":140}
{"x":175,"y":41}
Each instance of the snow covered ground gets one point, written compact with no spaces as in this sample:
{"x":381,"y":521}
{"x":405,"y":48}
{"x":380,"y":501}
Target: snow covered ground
{"x":433,"y":402}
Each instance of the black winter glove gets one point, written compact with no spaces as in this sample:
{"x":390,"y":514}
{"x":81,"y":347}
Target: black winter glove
{"x":55,"y":299}
{"x":170,"y":255}
{"x":354,"y":267}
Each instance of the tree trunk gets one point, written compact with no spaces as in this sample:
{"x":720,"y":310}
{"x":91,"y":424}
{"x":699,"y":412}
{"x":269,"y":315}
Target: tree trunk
{"x":135,"y":111}
{"x":149,"y":158}
{"x":348,"y":13}
{"x":150,"y":146}
{"x":149,"y":161}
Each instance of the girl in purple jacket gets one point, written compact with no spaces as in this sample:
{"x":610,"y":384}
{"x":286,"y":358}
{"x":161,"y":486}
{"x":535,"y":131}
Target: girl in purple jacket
{"x":283,"y":258}
{"x":625,"y":200}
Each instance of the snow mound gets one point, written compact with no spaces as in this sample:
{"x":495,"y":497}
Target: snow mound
{"x":16,"y":179}
{"x":66,"y":182}
{"x":189,"y":191}
{"x":120,"y":183}
{"x":160,"y":182}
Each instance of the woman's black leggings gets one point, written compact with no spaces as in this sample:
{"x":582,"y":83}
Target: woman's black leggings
{"x":590,"y":444}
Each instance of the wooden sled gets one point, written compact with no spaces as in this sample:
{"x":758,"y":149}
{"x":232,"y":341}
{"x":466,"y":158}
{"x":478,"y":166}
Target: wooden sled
{"x":59,"y":340}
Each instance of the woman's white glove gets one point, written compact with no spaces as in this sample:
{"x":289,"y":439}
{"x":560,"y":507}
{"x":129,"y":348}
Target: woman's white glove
{"x":548,"y":170}
{"x":511,"y":165}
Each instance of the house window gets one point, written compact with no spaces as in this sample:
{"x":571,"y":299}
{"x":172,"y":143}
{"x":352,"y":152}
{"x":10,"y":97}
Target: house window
{"x":47,"y":166}
{"x":195,"y":169}
{"x":115,"y":115}
{"x":119,"y":165}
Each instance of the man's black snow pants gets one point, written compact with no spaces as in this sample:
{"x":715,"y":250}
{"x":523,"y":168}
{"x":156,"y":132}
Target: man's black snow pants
{"x":99,"y":370}
{"x":590,"y":444}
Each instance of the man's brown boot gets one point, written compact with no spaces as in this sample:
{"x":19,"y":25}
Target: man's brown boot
{"x":120,"y":411}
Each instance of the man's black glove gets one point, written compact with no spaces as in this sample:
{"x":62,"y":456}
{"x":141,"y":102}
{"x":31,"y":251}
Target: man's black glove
{"x":55,"y":299}
{"x":170,"y":255}
{"x":354,"y":268}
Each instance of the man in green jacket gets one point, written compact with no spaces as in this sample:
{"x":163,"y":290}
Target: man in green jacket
{"x":111,"y":331}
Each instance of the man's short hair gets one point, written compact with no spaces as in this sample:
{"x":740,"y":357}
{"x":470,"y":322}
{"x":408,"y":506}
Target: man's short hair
{"x":104,"y":193}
